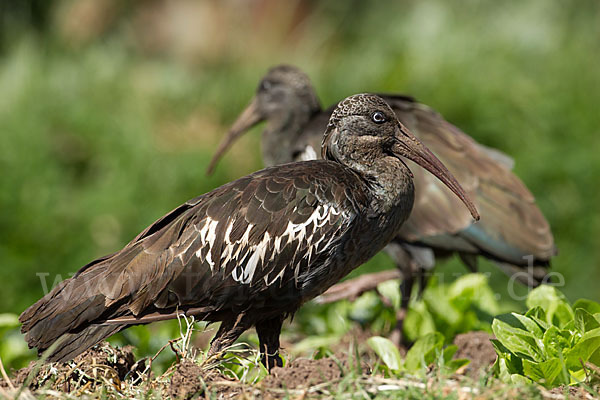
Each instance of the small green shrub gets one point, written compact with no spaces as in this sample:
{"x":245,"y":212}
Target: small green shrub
{"x":552,"y":343}
{"x":464,"y":305}
{"x":426,"y":351}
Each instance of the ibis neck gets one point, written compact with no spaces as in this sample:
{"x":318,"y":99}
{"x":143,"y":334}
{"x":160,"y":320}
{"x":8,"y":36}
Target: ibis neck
{"x":391,"y":185}
{"x":282,"y":132}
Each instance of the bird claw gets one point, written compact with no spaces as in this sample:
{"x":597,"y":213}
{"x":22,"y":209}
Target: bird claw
{"x":271,"y":361}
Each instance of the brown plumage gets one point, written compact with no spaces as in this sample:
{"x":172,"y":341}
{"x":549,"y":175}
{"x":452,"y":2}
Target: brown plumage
{"x":250,"y":252}
{"x":512,"y":232}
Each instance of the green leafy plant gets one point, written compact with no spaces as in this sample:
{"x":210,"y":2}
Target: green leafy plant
{"x":464,"y":305}
{"x":552,"y":343}
{"x":426,"y":351}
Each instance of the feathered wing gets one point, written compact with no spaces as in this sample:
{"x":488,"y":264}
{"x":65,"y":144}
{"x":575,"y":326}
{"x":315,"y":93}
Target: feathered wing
{"x":512,"y":228}
{"x":222,"y":252}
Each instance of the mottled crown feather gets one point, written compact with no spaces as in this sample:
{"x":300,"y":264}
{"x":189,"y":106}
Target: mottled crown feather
{"x":358,"y":104}
{"x":292,"y":76}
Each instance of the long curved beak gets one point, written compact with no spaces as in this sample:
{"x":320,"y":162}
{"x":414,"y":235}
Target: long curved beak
{"x":247,"y":119}
{"x":409,"y":146}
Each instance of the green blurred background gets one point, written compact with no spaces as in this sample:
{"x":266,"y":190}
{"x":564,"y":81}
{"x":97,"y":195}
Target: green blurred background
{"x":110,"y":109}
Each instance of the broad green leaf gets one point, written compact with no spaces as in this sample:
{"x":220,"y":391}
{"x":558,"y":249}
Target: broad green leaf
{"x":419,"y":321}
{"x":387,"y":351}
{"x":577,"y":376}
{"x":519,"y":380}
{"x":588,"y":305}
{"x":502,"y":369}
{"x":366,"y":308}
{"x":548,"y":373}
{"x":436,"y":299}
{"x":595,"y":358}
{"x":530,"y":325}
{"x":538,"y":315}
{"x":555,"y":342}
{"x":499,"y":347}
{"x":511,"y":361}
{"x":424,"y":352}
{"x":532,"y":371}
{"x":584,"y":321}
{"x":473,"y":290}
{"x":467,"y":286}
{"x":448,"y":363}
{"x":583,"y":350}
{"x":453,"y":365}
{"x":570,"y":326}
{"x":449,"y":352}
{"x":391,"y":291}
{"x":558,"y":311}
{"x":336,"y":319}
{"x":512,"y":333}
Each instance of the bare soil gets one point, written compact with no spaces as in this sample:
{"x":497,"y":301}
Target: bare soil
{"x":570,"y":392}
{"x":101,"y":364}
{"x":302,"y":372}
{"x":476,"y":347}
{"x":189,"y":380}
{"x":106,"y":365}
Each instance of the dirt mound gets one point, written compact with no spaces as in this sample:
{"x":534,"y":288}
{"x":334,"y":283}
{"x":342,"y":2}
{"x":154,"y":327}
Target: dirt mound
{"x":302,"y":373}
{"x":190,"y":380}
{"x":570,"y":392}
{"x":186,"y":381}
{"x":98,"y":365}
{"x":475,"y":346}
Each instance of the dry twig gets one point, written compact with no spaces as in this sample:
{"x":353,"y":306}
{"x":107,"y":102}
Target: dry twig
{"x":5,"y":376}
{"x":353,"y":288}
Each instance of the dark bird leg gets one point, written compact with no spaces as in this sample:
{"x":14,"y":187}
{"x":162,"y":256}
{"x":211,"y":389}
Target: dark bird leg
{"x":406,"y":287}
{"x":404,"y":263}
{"x":413,"y":263}
{"x":229,"y":331}
{"x":268,"y":335}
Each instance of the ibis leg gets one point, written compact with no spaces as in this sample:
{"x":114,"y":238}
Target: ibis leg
{"x":407,"y":267}
{"x":228,"y":332}
{"x":268,"y":335}
{"x":406,"y":287}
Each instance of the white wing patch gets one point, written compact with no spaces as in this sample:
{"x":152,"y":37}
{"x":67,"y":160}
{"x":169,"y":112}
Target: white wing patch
{"x":247,"y":257}
{"x":245,"y":274}
{"x":308,"y":154}
{"x":207,"y":235}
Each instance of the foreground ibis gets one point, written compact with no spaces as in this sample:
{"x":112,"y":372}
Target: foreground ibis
{"x":250,"y":252}
{"x":512,"y":232}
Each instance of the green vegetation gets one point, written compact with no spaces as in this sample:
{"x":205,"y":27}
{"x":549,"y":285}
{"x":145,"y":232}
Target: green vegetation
{"x":553,"y":343}
{"x":104,"y":130}
{"x":428,"y":350}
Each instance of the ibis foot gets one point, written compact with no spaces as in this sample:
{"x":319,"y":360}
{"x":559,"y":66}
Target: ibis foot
{"x":271,"y":361}
{"x":397,"y":335}
{"x":268,"y":336}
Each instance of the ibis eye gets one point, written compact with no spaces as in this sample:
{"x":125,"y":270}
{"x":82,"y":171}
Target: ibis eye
{"x":378,"y":117}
